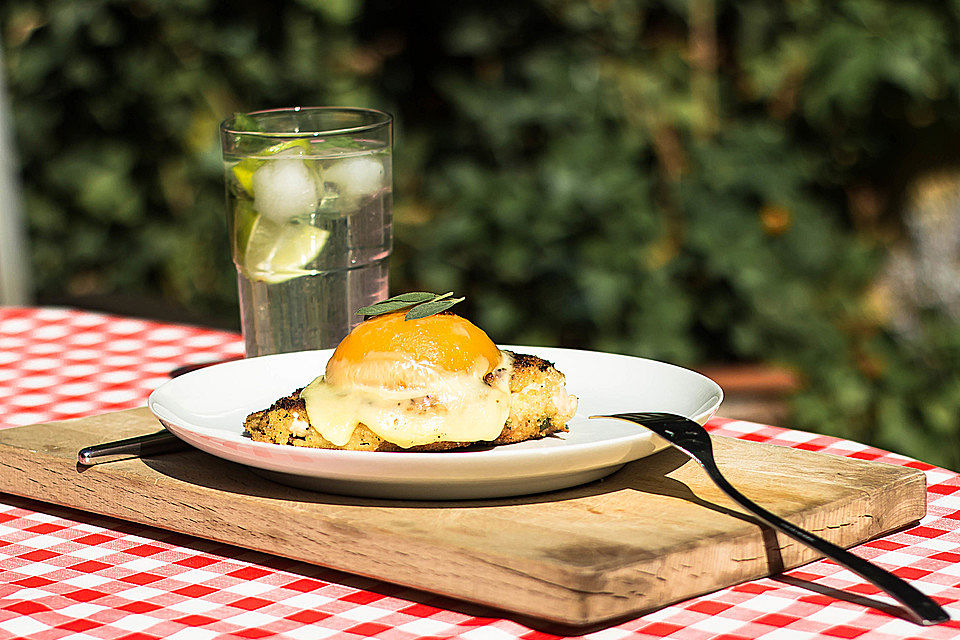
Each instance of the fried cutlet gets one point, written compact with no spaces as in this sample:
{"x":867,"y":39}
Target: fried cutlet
{"x":539,"y":406}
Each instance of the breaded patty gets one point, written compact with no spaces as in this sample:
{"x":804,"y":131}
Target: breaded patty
{"x":539,"y":406}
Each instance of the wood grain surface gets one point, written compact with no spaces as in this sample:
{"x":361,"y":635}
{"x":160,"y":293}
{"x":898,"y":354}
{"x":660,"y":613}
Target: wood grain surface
{"x":656,"y":532}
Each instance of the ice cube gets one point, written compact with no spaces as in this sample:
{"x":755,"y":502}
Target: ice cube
{"x":284,"y":188}
{"x":356,"y":176}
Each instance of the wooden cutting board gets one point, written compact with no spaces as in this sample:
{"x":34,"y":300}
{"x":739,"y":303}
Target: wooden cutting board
{"x":656,"y":532}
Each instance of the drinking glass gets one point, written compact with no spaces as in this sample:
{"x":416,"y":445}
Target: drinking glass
{"x":309,"y":206}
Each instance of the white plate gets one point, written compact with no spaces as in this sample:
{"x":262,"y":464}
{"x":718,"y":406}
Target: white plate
{"x":206,"y":408}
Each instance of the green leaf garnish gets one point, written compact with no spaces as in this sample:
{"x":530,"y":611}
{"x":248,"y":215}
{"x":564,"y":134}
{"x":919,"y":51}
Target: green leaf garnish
{"x":414,"y":297}
{"x":431,"y":308}
{"x":421,"y":304}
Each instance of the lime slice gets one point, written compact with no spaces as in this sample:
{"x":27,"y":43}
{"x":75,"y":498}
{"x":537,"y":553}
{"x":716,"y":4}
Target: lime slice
{"x":276,"y":252}
{"x":243,"y":170}
{"x":243,"y":222}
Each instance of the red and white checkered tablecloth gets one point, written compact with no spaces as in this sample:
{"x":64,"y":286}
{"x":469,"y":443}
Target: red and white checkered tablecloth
{"x":69,"y":574}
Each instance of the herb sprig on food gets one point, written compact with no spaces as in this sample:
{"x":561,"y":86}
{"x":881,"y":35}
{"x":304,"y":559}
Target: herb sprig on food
{"x":420,"y":303}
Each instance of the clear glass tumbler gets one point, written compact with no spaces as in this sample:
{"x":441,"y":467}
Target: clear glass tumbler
{"x":309,"y":205}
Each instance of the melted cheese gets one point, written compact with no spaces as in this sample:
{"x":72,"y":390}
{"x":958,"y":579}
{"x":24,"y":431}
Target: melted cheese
{"x":432,"y":405}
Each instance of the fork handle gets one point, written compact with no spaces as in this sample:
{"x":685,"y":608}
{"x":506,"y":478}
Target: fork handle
{"x":926,"y":609}
{"x":150,"y":444}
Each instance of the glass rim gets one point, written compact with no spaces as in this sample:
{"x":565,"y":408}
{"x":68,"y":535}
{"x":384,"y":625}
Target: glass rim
{"x":382,"y":119}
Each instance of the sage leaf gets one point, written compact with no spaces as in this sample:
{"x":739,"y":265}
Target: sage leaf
{"x":431,"y":308}
{"x":423,"y":304}
{"x":383,"y":307}
{"x":396,"y":303}
{"x":413,"y":297}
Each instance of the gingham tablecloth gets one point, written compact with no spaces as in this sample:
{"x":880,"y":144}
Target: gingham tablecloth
{"x":69,"y":574}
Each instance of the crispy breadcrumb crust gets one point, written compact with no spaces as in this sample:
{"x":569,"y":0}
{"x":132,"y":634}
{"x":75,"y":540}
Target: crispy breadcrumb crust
{"x":539,"y":406}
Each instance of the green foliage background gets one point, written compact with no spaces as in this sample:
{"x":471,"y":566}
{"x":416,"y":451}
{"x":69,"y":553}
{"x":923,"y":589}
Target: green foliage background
{"x":688,"y":181}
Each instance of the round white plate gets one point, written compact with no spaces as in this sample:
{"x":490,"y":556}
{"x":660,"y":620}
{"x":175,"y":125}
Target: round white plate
{"x":207,"y":407}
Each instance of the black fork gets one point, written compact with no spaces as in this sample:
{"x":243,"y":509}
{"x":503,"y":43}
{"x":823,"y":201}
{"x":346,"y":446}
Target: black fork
{"x":693,"y":440}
